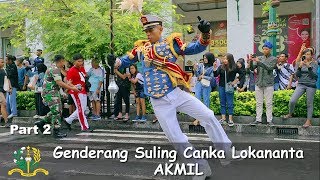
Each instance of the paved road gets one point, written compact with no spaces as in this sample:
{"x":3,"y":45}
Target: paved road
{"x":307,"y":168}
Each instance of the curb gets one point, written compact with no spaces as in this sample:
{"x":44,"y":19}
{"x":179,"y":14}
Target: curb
{"x":187,"y":127}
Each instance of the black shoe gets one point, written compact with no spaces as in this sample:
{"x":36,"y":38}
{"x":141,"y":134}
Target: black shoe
{"x":255,"y":123}
{"x":67,"y":124}
{"x":40,"y":125}
{"x":58,"y":134}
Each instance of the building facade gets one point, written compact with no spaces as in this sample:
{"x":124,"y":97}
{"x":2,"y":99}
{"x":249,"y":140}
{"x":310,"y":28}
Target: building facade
{"x":240,"y":28}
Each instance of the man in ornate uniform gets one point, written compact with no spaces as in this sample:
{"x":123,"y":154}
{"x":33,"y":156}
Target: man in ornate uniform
{"x":51,"y":96}
{"x":161,"y":78}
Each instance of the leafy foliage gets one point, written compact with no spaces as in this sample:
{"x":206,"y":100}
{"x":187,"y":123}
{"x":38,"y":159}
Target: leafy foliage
{"x":245,"y":104}
{"x":265,"y":7}
{"x":72,"y":26}
{"x":26,"y":100}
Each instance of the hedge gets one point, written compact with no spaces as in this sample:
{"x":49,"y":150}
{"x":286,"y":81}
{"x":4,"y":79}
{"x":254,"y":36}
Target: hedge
{"x":26,"y":100}
{"x":245,"y":104}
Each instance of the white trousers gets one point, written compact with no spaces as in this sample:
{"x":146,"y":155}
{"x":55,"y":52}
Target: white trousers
{"x":80,"y":100}
{"x":267,"y":94}
{"x":165,"y":109}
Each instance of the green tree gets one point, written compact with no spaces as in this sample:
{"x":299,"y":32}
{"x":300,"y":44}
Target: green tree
{"x":71,"y":26}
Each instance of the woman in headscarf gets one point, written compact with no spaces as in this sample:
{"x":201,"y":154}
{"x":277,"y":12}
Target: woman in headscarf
{"x":242,"y":85}
{"x":204,"y":74}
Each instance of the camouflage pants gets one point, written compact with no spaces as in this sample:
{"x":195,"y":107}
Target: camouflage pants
{"x":53,"y":100}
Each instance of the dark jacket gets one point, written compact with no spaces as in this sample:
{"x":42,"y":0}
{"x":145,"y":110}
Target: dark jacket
{"x":265,"y":68}
{"x":12,"y":73}
{"x":242,"y":79}
{"x":2,"y":75}
{"x":307,"y":76}
{"x":123,"y":83}
{"x":231,"y":75}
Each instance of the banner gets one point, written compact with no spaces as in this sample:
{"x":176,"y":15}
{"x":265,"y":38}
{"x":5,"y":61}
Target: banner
{"x":294,"y":30}
{"x":218,"y":45}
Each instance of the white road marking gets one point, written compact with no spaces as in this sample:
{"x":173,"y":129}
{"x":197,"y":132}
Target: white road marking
{"x":114,"y":141}
{"x":295,"y":140}
{"x":144,"y":136}
{"x":142,"y":132}
{"x":5,"y":134}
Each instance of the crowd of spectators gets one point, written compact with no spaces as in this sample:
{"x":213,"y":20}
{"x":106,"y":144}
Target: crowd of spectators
{"x":263,"y":75}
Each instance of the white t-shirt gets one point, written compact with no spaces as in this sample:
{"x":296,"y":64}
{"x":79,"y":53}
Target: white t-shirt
{"x":140,"y":78}
{"x":284,"y":76}
{"x":193,"y":82}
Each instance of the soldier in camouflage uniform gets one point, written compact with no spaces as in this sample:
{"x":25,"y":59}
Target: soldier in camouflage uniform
{"x":51,"y":96}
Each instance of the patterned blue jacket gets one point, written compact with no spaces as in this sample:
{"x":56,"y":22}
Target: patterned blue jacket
{"x":160,"y":80}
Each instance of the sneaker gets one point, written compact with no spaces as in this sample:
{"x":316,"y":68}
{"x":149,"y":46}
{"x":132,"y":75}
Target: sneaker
{"x":137,"y":118}
{"x":270,"y":123}
{"x":36,"y":116}
{"x":143,"y":119}
{"x":11,"y":116}
{"x":96,"y":118}
{"x":255,"y":123}
{"x":92,"y":117}
{"x":222,"y":122}
{"x":230,"y":123}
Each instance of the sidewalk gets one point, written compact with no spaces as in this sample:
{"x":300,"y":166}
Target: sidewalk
{"x":291,"y":126}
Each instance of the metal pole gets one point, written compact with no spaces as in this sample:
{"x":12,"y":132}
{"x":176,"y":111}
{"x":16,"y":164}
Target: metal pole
{"x":273,"y":29}
{"x":111,"y":46}
{"x":272,"y":38}
{"x":111,"y":29}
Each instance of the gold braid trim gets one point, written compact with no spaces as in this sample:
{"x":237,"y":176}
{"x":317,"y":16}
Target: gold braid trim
{"x":183,"y":47}
{"x":175,"y":78}
{"x":170,"y":39}
{"x":137,"y":47}
{"x":131,"y":56}
{"x":140,"y":43}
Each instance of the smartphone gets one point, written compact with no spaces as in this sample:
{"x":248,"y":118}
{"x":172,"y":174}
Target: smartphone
{"x":127,"y":70}
{"x":303,"y":58}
